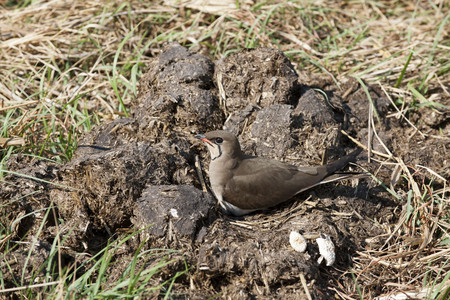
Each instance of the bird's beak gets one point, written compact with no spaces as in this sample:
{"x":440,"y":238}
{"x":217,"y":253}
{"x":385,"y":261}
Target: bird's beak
{"x":203,"y":138}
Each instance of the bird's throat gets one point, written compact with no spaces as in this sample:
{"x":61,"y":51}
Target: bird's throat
{"x":215,"y":151}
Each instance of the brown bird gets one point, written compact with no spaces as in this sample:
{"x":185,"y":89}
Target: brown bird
{"x":243,"y":184}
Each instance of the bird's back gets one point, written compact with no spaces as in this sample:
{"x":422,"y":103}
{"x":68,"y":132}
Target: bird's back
{"x":261,"y":183}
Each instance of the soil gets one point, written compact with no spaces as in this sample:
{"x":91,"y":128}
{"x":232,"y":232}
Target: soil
{"x":140,"y":171}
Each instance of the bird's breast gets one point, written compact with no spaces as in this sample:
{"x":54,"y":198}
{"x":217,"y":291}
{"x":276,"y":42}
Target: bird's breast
{"x":219,"y":176}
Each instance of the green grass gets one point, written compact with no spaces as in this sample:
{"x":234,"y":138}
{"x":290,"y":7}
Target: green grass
{"x":90,"y":279}
{"x":60,"y":117}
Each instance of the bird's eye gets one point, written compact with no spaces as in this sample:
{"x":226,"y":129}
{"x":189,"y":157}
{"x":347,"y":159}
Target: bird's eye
{"x":219,"y":140}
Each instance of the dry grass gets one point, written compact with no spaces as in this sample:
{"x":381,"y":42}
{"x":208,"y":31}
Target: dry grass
{"x":66,"y":65}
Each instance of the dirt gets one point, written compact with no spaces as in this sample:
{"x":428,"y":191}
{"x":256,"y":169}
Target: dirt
{"x":139,"y":171}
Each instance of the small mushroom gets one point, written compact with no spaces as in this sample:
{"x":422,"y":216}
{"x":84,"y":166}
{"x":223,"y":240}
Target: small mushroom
{"x":326,"y":249}
{"x":297,"y":241}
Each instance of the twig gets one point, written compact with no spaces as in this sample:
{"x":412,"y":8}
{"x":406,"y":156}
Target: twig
{"x":198,"y":167}
{"x":305,"y":286}
{"x":365,"y":147}
{"x":399,"y":112}
{"x":19,"y":288}
{"x":15,"y":141}
{"x":18,"y":105}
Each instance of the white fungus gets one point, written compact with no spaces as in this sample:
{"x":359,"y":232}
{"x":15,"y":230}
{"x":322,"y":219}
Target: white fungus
{"x":174,"y":213}
{"x":297,"y":241}
{"x":326,"y":249}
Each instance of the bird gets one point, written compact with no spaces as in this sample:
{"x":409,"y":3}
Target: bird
{"x":243,"y":184}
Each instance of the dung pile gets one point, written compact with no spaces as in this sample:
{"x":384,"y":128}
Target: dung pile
{"x":139,"y":171}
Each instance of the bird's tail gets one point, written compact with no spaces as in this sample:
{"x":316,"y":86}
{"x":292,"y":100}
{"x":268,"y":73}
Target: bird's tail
{"x":339,"y":164}
{"x":333,"y":175}
{"x":342,"y":162}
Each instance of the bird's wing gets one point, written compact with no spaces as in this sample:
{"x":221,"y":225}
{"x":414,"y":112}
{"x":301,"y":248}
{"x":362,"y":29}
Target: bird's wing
{"x":262,"y":183}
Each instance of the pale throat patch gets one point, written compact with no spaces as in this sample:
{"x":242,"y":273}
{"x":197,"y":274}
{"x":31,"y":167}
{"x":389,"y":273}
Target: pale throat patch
{"x":215,"y":151}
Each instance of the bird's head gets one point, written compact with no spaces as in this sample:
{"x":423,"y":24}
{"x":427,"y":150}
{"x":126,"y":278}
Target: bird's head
{"x":220,"y":144}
